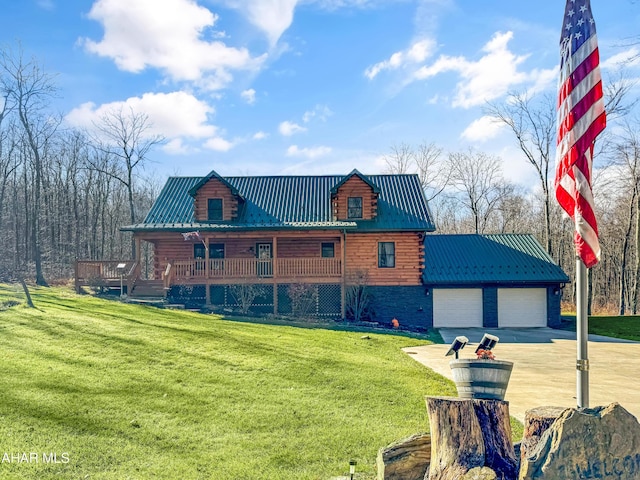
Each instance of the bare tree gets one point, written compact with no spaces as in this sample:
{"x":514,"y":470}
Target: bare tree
{"x":533,"y":124}
{"x":126,"y":136}
{"x":29,"y":89}
{"x":426,"y":161}
{"x":628,"y":159}
{"x":479,"y":178}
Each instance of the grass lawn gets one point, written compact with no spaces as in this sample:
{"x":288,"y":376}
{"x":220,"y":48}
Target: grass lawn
{"x":121,"y":391}
{"x":616,"y":326}
{"x":611,"y":326}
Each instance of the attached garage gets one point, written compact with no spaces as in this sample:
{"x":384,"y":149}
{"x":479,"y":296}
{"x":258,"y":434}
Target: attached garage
{"x":522,"y":307}
{"x":457,"y":307}
{"x":490,"y":281}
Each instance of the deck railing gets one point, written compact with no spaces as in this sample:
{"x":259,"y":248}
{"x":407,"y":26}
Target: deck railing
{"x":301,"y":267}
{"x":106,"y":273}
{"x":256,"y":268}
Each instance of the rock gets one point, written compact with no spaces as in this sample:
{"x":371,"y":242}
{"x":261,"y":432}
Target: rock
{"x":536,"y":422}
{"x":603,"y":442}
{"x":406,"y":459}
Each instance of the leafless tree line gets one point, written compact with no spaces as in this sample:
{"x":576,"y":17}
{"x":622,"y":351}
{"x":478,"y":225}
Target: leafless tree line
{"x":64,"y":193}
{"x":468,"y":192}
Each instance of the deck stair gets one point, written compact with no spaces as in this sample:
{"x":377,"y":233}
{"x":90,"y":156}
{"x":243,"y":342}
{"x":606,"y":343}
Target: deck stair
{"x":152,"y":289}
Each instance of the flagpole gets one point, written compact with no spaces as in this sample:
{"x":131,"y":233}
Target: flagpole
{"x":582,"y":335}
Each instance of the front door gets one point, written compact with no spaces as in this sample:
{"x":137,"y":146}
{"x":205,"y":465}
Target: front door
{"x":265,"y":266}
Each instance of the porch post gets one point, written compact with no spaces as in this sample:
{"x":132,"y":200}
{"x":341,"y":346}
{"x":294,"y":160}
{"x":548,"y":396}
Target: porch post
{"x":207,"y":266}
{"x":138,"y":243}
{"x":275,"y":275}
{"x":343,"y":287}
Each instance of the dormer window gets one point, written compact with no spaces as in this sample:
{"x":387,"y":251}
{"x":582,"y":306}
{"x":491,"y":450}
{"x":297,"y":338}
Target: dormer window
{"x":354,"y":207}
{"x":214,"y":209}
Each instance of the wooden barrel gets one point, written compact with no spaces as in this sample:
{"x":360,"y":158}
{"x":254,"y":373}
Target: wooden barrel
{"x":481,"y":378}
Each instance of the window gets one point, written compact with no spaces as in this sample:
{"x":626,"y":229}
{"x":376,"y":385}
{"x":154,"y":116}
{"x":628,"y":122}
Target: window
{"x":386,"y":254}
{"x":328,"y":250}
{"x":216,"y":250}
{"x":198,"y":250}
{"x":214,"y":209}
{"x":354,"y":207}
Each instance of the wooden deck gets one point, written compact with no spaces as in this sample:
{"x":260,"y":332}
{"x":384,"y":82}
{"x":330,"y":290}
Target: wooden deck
{"x":105,"y":273}
{"x":94,"y":273}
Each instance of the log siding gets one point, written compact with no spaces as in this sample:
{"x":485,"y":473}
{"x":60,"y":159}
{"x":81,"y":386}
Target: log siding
{"x":214,"y":188}
{"x":355,"y":187}
{"x":362,"y":256}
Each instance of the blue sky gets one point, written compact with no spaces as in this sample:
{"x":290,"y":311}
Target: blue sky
{"x":305,"y":87}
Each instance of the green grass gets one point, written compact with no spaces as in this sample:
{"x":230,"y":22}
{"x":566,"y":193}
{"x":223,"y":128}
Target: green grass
{"x":131,"y":392}
{"x":615,"y":326}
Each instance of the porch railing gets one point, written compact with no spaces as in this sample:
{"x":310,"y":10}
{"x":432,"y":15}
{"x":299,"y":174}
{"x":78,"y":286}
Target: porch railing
{"x":106,"y":273}
{"x":300,"y":267}
{"x":256,"y":268}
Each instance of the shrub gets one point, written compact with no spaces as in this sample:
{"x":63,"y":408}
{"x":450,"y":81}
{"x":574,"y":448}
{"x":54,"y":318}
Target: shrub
{"x":304,"y":299}
{"x":245,"y":294}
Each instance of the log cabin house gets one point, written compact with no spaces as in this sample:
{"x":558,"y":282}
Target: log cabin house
{"x":323,"y":233}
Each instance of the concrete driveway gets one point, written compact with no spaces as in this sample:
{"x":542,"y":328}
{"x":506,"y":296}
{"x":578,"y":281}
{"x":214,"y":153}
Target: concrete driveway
{"x":544,"y":370}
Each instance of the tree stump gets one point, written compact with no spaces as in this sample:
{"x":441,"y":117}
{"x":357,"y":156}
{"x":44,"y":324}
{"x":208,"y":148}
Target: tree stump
{"x":536,"y":422}
{"x":470,"y":433}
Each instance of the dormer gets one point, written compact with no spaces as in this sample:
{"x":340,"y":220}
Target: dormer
{"x":215,"y":199}
{"x":355,"y":198}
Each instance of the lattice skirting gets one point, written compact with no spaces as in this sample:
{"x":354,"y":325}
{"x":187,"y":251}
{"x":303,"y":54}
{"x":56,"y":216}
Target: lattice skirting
{"x":300,"y":300}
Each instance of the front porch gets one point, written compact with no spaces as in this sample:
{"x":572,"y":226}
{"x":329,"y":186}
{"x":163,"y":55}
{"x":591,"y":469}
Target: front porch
{"x":210,"y":264}
{"x":256,"y":270}
{"x":284,"y":285}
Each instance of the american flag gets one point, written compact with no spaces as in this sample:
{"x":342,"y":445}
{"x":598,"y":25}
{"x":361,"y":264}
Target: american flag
{"x":191,"y":236}
{"x":581,"y":117}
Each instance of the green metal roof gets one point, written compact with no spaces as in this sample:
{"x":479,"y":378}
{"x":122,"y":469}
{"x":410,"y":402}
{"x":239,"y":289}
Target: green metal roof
{"x":295,"y":202}
{"x":504,"y":258}
{"x":355,"y":173}
{"x":194,"y":190}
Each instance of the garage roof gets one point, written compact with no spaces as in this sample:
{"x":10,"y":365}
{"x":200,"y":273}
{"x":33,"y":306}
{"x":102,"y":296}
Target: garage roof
{"x":500,"y":258}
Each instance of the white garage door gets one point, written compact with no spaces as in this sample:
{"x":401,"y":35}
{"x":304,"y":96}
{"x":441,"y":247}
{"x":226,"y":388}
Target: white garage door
{"x":522,"y":307}
{"x":457,"y":307}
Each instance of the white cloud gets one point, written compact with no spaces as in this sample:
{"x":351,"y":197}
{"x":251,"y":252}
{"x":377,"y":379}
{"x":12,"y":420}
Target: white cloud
{"x":176,"y":147}
{"x":178,"y":116}
{"x":287,"y":128}
{"x":542,"y":80}
{"x":166,"y":35}
{"x":417,"y":53}
{"x":175,"y":114}
{"x":483,"y":80}
{"x":272,"y":17}
{"x":628,"y":58}
{"x":313,"y":152}
{"x":249,"y":96}
{"x":483,"y":129}
{"x":321,"y":112}
{"x":260,"y":135}
{"x":218,"y":144}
